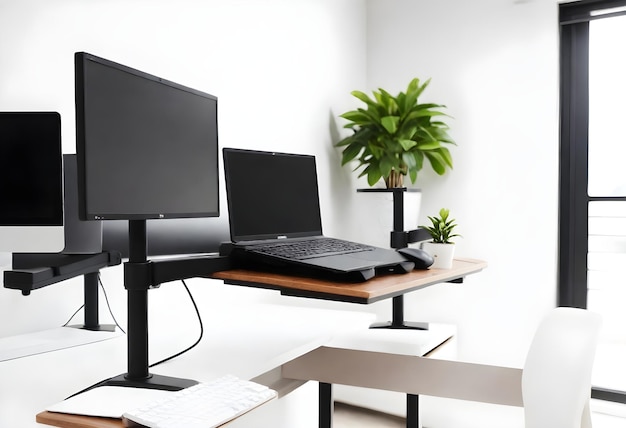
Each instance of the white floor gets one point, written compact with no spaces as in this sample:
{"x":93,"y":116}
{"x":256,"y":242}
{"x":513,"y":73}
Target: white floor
{"x":609,"y":370}
{"x":440,"y":413}
{"x":608,"y":415}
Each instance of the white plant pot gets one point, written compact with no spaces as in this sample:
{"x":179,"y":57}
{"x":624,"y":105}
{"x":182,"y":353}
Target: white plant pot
{"x":443,"y":254}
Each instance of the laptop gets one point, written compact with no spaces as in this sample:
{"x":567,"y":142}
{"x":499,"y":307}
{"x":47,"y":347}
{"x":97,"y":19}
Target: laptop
{"x":273,"y":200}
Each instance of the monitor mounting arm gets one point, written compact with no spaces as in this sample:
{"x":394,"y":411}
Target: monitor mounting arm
{"x":37,"y":270}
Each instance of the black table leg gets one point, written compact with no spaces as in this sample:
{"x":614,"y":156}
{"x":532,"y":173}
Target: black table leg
{"x":412,"y":411}
{"x":326,"y":405}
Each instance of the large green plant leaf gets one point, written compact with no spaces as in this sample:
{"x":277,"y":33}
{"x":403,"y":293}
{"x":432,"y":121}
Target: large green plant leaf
{"x":446,"y":156}
{"x":419,"y":160}
{"x":436,"y":161}
{"x":387,"y":101}
{"x":365,"y":98}
{"x":407,"y":144}
{"x":357,"y":117}
{"x":412,"y":92}
{"x":390,"y":123}
{"x":350,"y":153}
{"x":387,"y":163}
{"x":373,"y":174}
{"x":372,"y":115}
{"x":414,"y":114}
{"x":429,"y":145}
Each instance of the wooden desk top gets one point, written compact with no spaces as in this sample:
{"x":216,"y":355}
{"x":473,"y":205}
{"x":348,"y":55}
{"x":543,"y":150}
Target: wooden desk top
{"x":75,"y":421}
{"x":375,"y":289}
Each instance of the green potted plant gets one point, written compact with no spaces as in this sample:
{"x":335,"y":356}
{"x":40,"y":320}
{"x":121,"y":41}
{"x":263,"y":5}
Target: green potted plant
{"x":394,"y":134}
{"x":441,"y":230}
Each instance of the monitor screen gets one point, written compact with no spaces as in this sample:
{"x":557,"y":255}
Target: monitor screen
{"x":146,"y":147}
{"x":31,"y":182}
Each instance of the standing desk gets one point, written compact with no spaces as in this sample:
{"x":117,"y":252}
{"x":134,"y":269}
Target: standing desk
{"x":373,"y":290}
{"x":376,"y":289}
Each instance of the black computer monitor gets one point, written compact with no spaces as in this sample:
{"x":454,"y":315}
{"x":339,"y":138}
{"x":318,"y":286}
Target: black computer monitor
{"x":146,"y":146}
{"x":31,"y":182}
{"x":193,"y":236}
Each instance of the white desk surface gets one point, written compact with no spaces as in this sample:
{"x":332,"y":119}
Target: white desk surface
{"x":247,"y":341}
{"x":41,"y":342}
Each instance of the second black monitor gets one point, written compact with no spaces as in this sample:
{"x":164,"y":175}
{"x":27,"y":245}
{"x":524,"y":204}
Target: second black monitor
{"x":31,"y":182}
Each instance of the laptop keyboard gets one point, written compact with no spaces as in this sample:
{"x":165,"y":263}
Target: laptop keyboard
{"x":306,"y":249}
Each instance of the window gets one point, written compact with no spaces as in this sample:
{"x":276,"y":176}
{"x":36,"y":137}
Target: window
{"x":592,"y":206}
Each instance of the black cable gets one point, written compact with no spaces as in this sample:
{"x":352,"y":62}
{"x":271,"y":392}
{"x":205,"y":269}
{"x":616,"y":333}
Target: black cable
{"x":106,"y":299}
{"x":73,"y":315}
{"x":201,"y":330}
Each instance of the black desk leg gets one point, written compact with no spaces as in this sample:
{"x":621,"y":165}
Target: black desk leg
{"x":412,"y":411}
{"x":326,"y":408}
{"x":326,"y":405}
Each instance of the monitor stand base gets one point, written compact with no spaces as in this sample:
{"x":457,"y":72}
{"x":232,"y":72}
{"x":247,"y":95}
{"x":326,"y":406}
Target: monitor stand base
{"x":164,"y":383}
{"x":154,"y":381}
{"x":405,"y":325}
{"x":99,"y":327}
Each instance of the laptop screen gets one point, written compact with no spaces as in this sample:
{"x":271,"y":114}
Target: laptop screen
{"x":271,"y":195}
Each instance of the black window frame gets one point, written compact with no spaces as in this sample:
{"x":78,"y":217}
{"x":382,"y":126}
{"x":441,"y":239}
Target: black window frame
{"x":574,"y":200}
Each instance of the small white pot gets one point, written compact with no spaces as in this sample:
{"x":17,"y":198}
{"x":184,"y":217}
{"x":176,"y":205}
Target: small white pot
{"x":442,"y":253}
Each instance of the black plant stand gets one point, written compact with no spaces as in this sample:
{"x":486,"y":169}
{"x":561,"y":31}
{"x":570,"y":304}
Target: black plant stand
{"x":401,"y":239}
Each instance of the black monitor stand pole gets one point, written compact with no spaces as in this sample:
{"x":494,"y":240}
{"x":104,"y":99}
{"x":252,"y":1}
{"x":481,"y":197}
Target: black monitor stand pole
{"x":137,"y":281}
{"x":140,"y":275}
{"x":92,"y":322}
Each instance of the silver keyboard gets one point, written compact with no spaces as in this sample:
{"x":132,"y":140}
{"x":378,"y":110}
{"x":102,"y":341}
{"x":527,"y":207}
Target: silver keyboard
{"x":206,"y":405}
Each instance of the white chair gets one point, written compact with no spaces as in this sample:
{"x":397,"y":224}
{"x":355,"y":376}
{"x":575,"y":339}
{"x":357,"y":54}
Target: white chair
{"x":556,"y":380}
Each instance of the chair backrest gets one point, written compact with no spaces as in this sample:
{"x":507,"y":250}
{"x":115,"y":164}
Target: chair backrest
{"x":556,"y":380}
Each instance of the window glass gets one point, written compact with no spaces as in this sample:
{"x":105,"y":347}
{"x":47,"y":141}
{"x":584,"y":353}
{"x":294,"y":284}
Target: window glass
{"x":607,"y":109}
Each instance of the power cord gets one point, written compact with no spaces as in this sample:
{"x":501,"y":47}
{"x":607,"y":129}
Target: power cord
{"x":73,"y":315}
{"x":201,"y":330}
{"x":106,"y":298}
